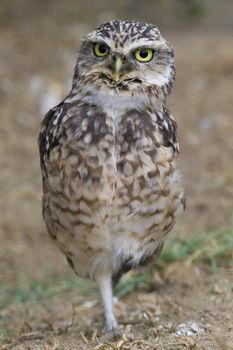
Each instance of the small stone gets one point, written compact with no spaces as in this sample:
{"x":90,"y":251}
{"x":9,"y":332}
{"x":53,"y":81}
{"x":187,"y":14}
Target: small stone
{"x":188,"y":329}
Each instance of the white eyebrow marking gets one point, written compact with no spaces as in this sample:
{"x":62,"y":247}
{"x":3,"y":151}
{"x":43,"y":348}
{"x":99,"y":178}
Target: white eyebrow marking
{"x":147,"y":43}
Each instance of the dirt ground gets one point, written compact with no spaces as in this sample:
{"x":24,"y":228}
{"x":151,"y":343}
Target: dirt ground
{"x":185,"y":306}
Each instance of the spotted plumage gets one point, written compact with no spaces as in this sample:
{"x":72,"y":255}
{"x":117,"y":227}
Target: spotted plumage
{"x":112,"y":190}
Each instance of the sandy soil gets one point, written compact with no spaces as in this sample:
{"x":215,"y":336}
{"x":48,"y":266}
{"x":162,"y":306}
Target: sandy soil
{"x":37,"y":55}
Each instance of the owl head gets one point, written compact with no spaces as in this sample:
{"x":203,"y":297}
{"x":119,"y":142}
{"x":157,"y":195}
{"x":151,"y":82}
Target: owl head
{"x":126,"y":56}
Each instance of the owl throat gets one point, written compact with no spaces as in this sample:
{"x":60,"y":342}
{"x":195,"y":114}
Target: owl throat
{"x":115,"y":102}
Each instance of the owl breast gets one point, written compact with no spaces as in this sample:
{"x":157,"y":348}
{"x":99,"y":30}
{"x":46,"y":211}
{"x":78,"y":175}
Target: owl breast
{"x":149,"y":192}
{"x":112,"y":191}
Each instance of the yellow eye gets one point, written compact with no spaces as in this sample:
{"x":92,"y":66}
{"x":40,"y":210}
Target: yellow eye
{"x":144,"y":55}
{"x":100,"y":50}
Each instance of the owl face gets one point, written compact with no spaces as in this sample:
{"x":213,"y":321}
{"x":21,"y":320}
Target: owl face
{"x":124,"y":55}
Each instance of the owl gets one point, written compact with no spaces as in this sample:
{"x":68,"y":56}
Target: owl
{"x":111,"y":187}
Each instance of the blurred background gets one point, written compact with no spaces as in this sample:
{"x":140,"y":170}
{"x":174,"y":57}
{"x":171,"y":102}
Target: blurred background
{"x":39,"y":41}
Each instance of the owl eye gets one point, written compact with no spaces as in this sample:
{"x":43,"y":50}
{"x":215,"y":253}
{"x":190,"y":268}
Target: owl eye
{"x":100,"y":50}
{"x":144,"y":55}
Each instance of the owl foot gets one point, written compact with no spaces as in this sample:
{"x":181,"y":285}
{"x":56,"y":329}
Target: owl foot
{"x":113,"y":334}
{"x":111,"y":325}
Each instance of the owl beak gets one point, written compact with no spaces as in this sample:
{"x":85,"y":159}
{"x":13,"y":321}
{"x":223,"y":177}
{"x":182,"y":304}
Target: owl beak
{"x":117,"y":68}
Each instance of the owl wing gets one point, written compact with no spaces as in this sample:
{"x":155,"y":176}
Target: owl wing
{"x":168,"y":128}
{"x":47,"y":139}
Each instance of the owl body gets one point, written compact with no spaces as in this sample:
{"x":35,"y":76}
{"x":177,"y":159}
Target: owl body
{"x":108,"y":152}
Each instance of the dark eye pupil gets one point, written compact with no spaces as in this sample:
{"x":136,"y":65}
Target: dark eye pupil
{"x":102,"y":48}
{"x":143,"y":53}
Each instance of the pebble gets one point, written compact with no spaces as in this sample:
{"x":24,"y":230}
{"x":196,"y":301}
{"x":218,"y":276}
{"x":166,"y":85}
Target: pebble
{"x":188,"y":329}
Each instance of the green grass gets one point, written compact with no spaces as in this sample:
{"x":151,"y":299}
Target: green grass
{"x":40,"y":291}
{"x":212,"y":248}
{"x":5,"y":334}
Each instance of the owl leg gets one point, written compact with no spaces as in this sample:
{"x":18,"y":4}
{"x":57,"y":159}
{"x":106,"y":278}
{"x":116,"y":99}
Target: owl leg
{"x":105,"y":287}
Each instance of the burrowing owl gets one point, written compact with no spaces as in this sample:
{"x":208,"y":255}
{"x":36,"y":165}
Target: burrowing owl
{"x":108,"y":152}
